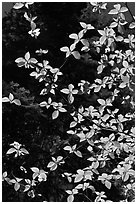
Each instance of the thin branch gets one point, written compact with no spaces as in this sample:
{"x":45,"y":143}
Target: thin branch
{"x":129,"y":11}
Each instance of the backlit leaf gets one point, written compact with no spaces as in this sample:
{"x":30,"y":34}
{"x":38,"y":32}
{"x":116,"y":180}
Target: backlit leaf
{"x":78,"y":153}
{"x":78,"y":178}
{"x":113,"y":11}
{"x":55,"y":114}
{"x":108,"y":184}
{"x":73,"y":36}
{"x":5,"y":99}
{"x":76,"y":54}
{"x":16,"y":186}
{"x":18,"y":5}
{"x":17,"y":102}
{"x":101,"y":101}
{"x":70,"y":198}
{"x":11,"y":150}
{"x":34,"y":169}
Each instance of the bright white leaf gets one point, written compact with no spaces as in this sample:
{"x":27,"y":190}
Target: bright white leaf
{"x":16,"y":186}
{"x":33,"y":60}
{"x":73,"y":124}
{"x":24,"y":151}
{"x":42,"y":104}
{"x":27,"y":56}
{"x":78,"y":178}
{"x":83,"y":25}
{"x":113,"y":11}
{"x":124,"y":9}
{"x":68,"y":148}
{"x":55,"y":114}
{"x":113,"y":24}
{"x":76,"y":54}
{"x":78,"y":153}
{"x":11,"y":150}
{"x":64,"y":49}
{"x":5,"y":99}
{"x":18,"y":5}
{"x":122,"y":85}
{"x":11,"y":97}
{"x":101,"y":101}
{"x":17,"y":102}
{"x":20,"y":59}
{"x":65,"y":91}
{"x":34,"y":169}
{"x":73,"y":36}
{"x":50,"y":164}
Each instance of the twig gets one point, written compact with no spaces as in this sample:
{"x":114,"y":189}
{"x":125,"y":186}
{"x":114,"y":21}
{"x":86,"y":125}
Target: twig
{"x":129,"y":11}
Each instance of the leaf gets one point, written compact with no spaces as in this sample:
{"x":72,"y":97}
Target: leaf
{"x":63,"y":110}
{"x":27,"y":187}
{"x":50,"y":164}
{"x":24,"y":151}
{"x":64,"y":49}
{"x":119,"y":38}
{"x":18,"y":5}
{"x":100,"y":68}
{"x":78,"y":178}
{"x":78,"y":153}
{"x":80,"y":34}
{"x":53,"y":167}
{"x":59,"y":158}
{"x":101,"y":101}
{"x":101,"y":32}
{"x":125,"y":177}
{"x":17,"y":102}
{"x":72,"y":47}
{"x":105,"y":117}
{"x":108,"y":184}
{"x":73,"y":124}
{"x":42,"y":104}
{"x":70,"y":198}
{"x":89,"y":27}
{"x":65,"y":91}
{"x":96,"y":164}
{"x":85,"y":42}
{"x":122,"y":85}
{"x":5,"y":99}
{"x":27,"y":56}
{"x":12,"y":181}
{"x":70,"y":98}
{"x":4,"y":174}
{"x":33,"y":60}
{"x":76,"y":54}
{"x":11,"y":97}
{"x":34,"y":169}
{"x":55,"y":114}
{"x":68,"y":148}
{"x":113,"y":11}
{"x":20,"y":59}
{"x":33,"y":25}
{"x":124,"y":9}
{"x":97,"y":89}
{"x":16,"y":186}
{"x":21,"y":64}
{"x":73,"y":36}
{"x":83,"y":25}
{"x":11,"y":150}
{"x":113,"y":24}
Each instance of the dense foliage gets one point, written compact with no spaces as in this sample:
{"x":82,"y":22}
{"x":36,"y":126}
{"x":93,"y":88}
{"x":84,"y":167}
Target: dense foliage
{"x":68,"y":103}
